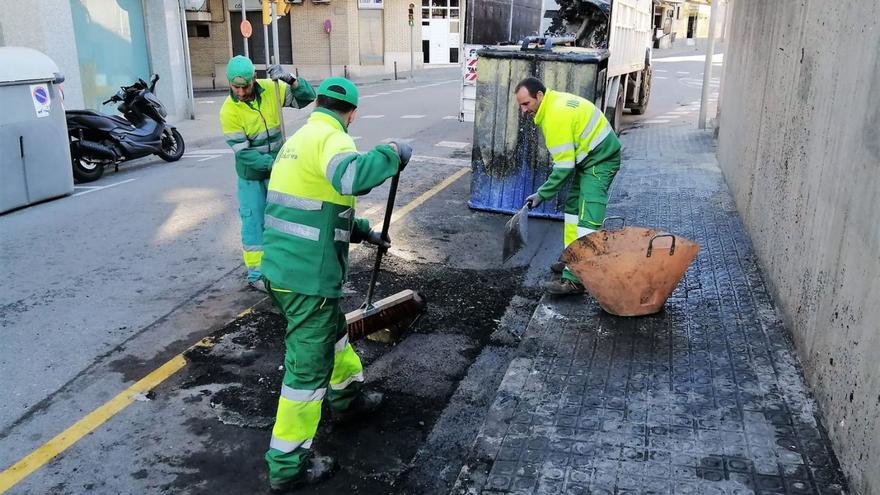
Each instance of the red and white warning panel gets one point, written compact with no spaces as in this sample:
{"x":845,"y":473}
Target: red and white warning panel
{"x":468,"y":83}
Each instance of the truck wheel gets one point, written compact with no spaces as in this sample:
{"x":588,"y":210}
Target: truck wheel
{"x":614,"y":114}
{"x":645,"y":93}
{"x":87,"y":171}
{"x":172,"y":145}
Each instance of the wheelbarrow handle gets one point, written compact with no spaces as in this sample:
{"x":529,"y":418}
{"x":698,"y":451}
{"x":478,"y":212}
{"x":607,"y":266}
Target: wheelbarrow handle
{"x":623,"y":221}
{"x":651,"y":244}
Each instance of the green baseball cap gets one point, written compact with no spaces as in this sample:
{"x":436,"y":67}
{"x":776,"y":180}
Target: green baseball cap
{"x":339,"y":88}
{"x":240,"y":71}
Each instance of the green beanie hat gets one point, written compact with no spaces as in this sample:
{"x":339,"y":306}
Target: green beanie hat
{"x":240,"y":71}
{"x":339,"y":88}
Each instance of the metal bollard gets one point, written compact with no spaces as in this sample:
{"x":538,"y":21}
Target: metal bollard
{"x":395,"y":70}
{"x":345,"y":71}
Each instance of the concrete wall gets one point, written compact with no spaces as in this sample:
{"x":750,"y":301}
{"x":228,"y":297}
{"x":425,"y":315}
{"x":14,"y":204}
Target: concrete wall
{"x":45,"y":26}
{"x":165,"y":42}
{"x":799,"y":145}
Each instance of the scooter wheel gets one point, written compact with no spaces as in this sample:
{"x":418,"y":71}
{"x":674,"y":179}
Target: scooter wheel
{"x":87,"y":171}
{"x":172,"y":145}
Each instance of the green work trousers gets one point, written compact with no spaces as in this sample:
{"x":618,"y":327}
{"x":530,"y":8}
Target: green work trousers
{"x":251,"y":205}
{"x":318,"y":362}
{"x":588,"y":196}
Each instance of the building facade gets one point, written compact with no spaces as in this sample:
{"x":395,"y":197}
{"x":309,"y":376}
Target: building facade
{"x":100,"y":45}
{"x":365,"y":38}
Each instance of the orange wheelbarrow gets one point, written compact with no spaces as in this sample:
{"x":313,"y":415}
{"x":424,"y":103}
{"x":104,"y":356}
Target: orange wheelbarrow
{"x":630,"y":271}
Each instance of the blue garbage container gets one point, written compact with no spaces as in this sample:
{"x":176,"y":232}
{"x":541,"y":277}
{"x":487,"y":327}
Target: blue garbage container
{"x":509,"y":159}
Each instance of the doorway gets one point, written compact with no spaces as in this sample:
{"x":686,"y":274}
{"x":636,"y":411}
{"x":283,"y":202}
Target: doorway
{"x":692,"y":26}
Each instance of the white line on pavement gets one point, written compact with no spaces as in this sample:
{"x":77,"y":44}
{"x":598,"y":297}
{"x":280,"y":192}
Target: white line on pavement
{"x":660,"y":77}
{"x":412,"y":116}
{"x":372,"y":116}
{"x":452,"y":144}
{"x":660,"y":70}
{"x":207,"y":158}
{"x":451,"y":117}
{"x":99,"y":188}
{"x":655,"y":121}
{"x":397,"y":140}
{"x":221,"y":151}
{"x":369,"y":211}
{"x":442,"y":160}
{"x":681,"y":72}
{"x":355,"y":138}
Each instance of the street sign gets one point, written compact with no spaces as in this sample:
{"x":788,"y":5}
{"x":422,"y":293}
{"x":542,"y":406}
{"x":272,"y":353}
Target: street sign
{"x":328,"y":26}
{"x":246,"y":29}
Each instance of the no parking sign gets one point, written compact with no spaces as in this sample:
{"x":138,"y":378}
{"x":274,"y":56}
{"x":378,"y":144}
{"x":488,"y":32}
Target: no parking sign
{"x":41,"y":98}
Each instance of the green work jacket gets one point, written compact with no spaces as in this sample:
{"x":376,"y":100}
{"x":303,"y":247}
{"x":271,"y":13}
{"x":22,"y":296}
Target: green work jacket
{"x":310,"y":219}
{"x":253,"y":128}
{"x":573,"y":128}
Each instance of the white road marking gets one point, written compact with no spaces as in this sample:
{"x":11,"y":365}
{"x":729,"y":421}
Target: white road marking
{"x":371,"y":116}
{"x":383,"y":94}
{"x":442,"y":160}
{"x":412,"y":116}
{"x":207,"y":158}
{"x":655,"y":121}
{"x":221,"y":151}
{"x":355,"y":138}
{"x":453,"y":144}
{"x":99,"y":188}
{"x":681,"y":72}
{"x":398,"y":140}
{"x":373,"y":209}
{"x":367,"y":96}
{"x":451,"y":117}
{"x":660,"y":77}
{"x":660,"y":70}
{"x":206,"y":101}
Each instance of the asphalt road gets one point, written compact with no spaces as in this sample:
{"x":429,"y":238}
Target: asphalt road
{"x":105,"y":286}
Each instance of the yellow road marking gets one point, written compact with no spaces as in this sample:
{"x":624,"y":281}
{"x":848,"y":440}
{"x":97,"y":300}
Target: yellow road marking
{"x":430,"y":193}
{"x":61,"y":442}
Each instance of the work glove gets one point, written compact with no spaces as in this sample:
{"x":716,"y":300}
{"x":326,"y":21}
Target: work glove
{"x":534,"y":201}
{"x":404,"y":151}
{"x":376,"y":239}
{"x":276,"y":73}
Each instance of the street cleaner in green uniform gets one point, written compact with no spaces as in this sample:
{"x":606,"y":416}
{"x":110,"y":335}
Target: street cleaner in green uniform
{"x":583,"y":146}
{"x":251,"y":122}
{"x":309,"y":224}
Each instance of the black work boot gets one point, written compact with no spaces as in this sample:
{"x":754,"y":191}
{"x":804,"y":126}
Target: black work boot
{"x":363,"y":404}
{"x":318,"y":468}
{"x":563,"y":287}
{"x":557,"y":267}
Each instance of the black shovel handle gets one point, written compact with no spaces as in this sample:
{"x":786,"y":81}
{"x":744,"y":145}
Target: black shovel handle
{"x":386,"y":224}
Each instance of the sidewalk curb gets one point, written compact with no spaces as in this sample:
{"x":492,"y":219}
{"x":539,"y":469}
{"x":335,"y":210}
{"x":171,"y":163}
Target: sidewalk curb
{"x":479,"y":459}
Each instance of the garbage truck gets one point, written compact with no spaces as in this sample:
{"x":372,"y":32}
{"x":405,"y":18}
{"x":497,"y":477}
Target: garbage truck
{"x":623,"y":27}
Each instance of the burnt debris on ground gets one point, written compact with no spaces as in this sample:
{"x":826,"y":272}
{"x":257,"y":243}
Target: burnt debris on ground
{"x":234,"y":382}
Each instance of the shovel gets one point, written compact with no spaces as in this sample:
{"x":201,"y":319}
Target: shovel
{"x":516,"y":233}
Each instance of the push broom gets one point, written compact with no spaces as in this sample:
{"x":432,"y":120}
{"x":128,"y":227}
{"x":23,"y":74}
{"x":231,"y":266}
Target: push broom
{"x":394,"y":313}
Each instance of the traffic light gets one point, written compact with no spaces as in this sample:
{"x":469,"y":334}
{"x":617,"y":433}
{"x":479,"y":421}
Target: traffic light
{"x":411,"y":7}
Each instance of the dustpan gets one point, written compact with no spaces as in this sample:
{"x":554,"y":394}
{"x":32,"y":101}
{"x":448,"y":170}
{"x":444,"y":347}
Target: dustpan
{"x":631,"y":271}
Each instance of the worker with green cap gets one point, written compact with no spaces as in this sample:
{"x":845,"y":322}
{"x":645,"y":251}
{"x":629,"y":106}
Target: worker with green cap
{"x":309,"y":224}
{"x":251,"y":120}
{"x":584,"y":149}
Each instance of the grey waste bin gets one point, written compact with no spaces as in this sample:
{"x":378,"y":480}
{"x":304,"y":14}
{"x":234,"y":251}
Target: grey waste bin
{"x":34,"y":148}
